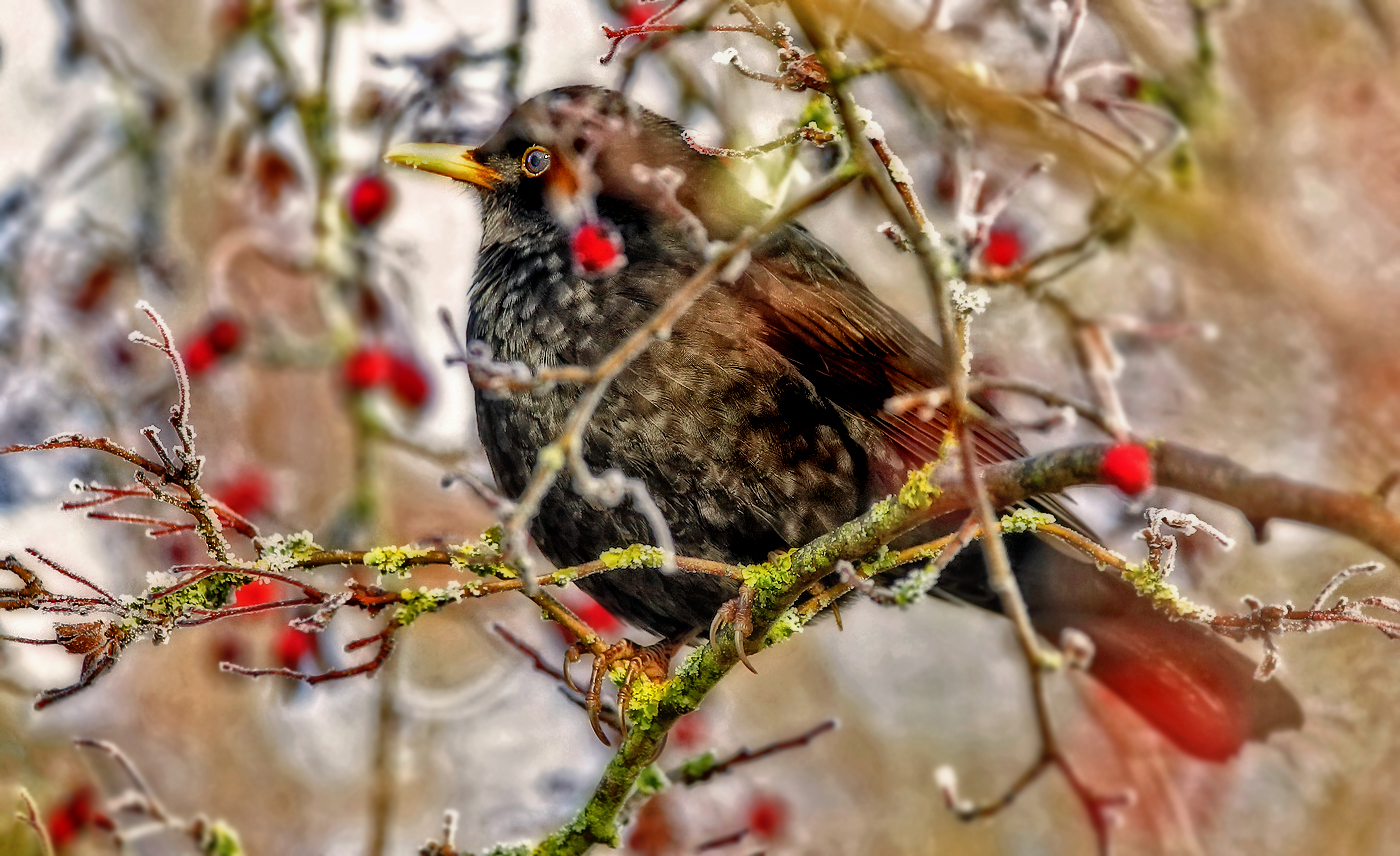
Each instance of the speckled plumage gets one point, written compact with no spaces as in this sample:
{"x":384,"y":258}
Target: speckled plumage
{"x":758,"y":424}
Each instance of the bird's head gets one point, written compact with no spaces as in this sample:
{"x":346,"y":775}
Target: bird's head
{"x":569,"y":151}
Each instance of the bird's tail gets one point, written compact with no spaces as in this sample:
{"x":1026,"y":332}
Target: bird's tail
{"x":1192,"y":685}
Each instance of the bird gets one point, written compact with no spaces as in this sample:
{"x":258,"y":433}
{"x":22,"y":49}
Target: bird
{"x":759,"y":422}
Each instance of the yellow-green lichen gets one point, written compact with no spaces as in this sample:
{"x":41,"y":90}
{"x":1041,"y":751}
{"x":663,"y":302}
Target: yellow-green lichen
{"x":219,"y":839}
{"x":283,"y":552}
{"x":786,"y":625}
{"x":914,"y":585}
{"x":644,"y":700}
{"x":1025,"y":520}
{"x":699,"y":768}
{"x":652,"y":780}
{"x":1150,"y":583}
{"x":771,"y":579}
{"x":919,"y":490}
{"x":416,"y":602}
{"x":393,"y":561}
{"x":635,"y":556}
{"x":210,"y":592}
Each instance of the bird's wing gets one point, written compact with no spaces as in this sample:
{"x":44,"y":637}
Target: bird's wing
{"x":854,"y":349}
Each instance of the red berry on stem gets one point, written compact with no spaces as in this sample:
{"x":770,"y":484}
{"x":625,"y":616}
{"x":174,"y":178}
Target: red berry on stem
{"x":1128,"y":467}
{"x":1003,"y":248}
{"x":247,"y":493}
{"x":597,"y":248}
{"x":294,"y":646}
{"x":200,"y":356}
{"x":636,"y":13}
{"x":690,"y":730}
{"x":255,"y":593}
{"x":368,"y":367}
{"x":408,"y":382}
{"x":368,"y":198}
{"x":71,"y":817}
{"x":768,"y":816}
{"x":224,"y":335}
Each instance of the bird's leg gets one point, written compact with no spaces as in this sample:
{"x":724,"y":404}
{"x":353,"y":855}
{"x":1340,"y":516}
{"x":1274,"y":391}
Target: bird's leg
{"x":653,"y":661}
{"x":738,"y":613}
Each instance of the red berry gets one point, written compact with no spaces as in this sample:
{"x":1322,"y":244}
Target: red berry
{"x":768,"y":816}
{"x":96,"y":285}
{"x":690,"y":730}
{"x":369,"y":197}
{"x":248,"y":493}
{"x":273,"y":174}
{"x":1003,"y":248}
{"x":71,"y":817}
{"x":597,"y":248}
{"x":408,"y":382}
{"x":1128,"y":467}
{"x":293,"y":646}
{"x":255,"y":593}
{"x":636,"y":13}
{"x":368,"y":367}
{"x":224,"y":334}
{"x":200,"y":356}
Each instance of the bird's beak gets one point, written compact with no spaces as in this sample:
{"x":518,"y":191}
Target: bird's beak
{"x":453,"y":161}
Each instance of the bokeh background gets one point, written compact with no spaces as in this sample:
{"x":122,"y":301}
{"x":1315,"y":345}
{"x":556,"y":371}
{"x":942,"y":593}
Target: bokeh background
{"x":152,"y":150}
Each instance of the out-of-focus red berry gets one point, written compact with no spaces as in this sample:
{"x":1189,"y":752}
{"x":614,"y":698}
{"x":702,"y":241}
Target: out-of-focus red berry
{"x":635,"y":13}
{"x":768,"y":816}
{"x":368,"y":198}
{"x":597,"y":248}
{"x":228,"y":648}
{"x":1003,"y":247}
{"x":224,"y":335}
{"x":293,"y":646}
{"x":200,"y":356}
{"x":1128,"y":467}
{"x":690,"y":731}
{"x":97,"y":284}
{"x":247,"y":493}
{"x":233,"y":17}
{"x":273,"y":175}
{"x":368,"y":367}
{"x":255,"y":593}
{"x":69,"y":818}
{"x":408,"y":382}
{"x":652,"y":832}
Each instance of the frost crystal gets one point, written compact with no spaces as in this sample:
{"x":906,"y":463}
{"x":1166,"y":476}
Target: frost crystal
{"x":161,"y":579}
{"x":898,"y":171}
{"x":968,"y":301}
{"x":726,"y":56}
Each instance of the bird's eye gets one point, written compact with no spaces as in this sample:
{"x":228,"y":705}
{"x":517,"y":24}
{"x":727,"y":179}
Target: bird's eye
{"x":535,"y":161}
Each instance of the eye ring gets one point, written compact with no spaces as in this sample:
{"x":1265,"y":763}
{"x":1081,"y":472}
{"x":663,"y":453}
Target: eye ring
{"x":535,"y":161}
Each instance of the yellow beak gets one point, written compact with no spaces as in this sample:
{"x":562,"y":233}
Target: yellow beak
{"x":453,"y":161}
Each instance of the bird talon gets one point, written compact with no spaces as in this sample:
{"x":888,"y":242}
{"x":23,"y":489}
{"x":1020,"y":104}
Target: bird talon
{"x":654,"y":661}
{"x":572,"y":655}
{"x":739,"y":613}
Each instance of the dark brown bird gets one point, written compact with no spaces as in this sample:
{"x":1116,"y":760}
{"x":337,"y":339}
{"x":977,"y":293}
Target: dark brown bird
{"x":759,"y":423}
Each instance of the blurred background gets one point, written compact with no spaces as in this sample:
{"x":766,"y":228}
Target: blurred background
{"x":1221,"y":204}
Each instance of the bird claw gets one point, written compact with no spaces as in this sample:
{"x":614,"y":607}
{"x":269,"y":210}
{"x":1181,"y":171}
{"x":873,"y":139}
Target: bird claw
{"x":739,"y":614}
{"x":653,"y":661}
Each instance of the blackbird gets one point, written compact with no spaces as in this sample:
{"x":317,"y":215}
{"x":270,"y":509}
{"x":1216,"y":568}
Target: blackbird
{"x":759,"y":422}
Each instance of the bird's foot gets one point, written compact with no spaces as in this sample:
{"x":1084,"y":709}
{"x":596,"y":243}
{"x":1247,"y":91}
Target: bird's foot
{"x":738,"y":613}
{"x":651,"y":661}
